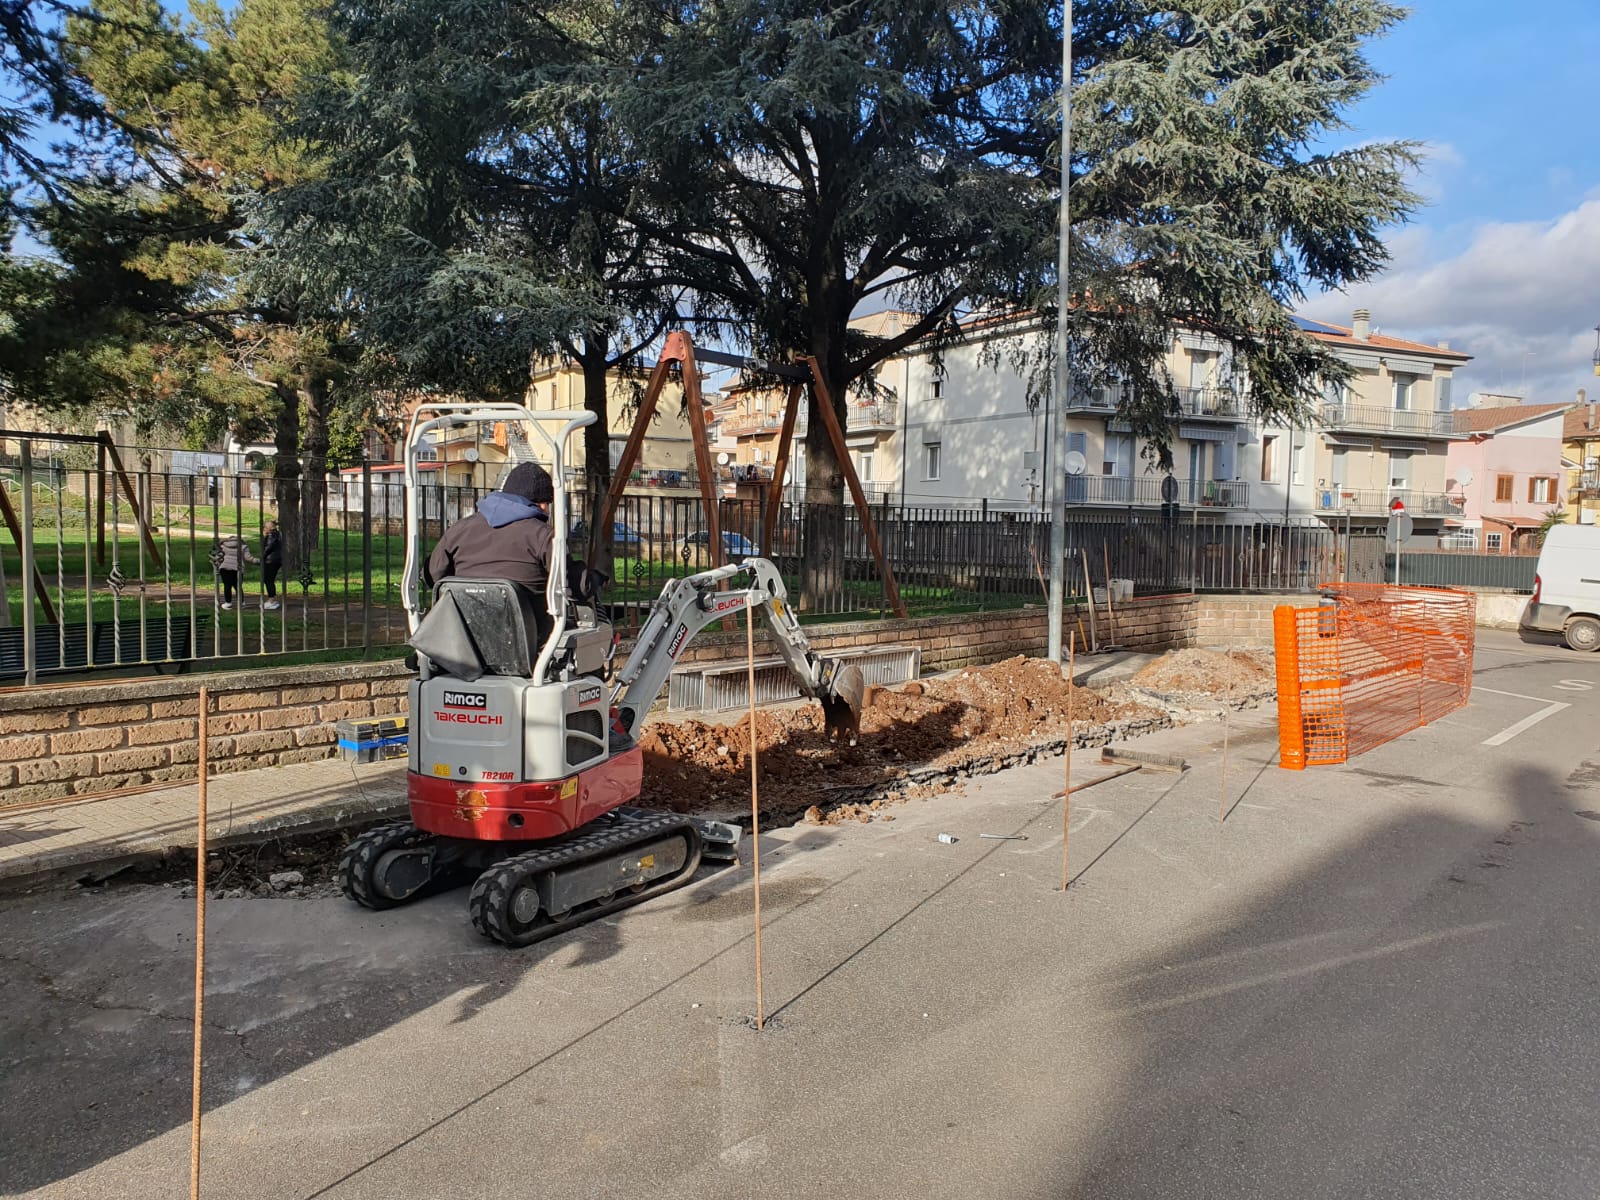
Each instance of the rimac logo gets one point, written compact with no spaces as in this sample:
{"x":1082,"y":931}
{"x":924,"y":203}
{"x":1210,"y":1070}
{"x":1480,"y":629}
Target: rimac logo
{"x":466,"y":700}
{"x":588,"y":695}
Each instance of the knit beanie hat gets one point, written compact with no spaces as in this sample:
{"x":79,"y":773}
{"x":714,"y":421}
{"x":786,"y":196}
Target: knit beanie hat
{"x":530,"y":481}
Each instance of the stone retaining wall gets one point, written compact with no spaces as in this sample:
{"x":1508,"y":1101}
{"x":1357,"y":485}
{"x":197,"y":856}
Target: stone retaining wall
{"x":74,"y":739}
{"x":81,"y":739}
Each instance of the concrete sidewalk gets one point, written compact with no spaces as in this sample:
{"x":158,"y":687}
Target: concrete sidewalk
{"x":100,"y":835}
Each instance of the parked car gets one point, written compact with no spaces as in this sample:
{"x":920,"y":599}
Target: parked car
{"x":623,"y":537}
{"x":1566,"y":587}
{"x":734,"y":545}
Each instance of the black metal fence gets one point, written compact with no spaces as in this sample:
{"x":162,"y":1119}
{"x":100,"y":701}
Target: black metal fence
{"x":1514,"y":572}
{"x":160,"y":570}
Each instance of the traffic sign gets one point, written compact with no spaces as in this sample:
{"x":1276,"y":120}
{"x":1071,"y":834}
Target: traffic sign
{"x":1397,"y":506}
{"x":1399,"y":531}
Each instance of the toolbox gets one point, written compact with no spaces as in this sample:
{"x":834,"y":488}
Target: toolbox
{"x":372,"y":739}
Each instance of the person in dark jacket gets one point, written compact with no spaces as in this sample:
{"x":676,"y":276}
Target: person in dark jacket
{"x":271,"y":563}
{"x":509,"y":537}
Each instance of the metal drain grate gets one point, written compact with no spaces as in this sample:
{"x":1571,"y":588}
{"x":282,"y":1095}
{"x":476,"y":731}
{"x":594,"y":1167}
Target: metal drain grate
{"x":716,"y":687}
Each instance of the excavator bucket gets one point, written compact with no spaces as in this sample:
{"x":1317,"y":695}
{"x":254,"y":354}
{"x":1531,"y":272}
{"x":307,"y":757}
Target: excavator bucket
{"x":841,"y":701}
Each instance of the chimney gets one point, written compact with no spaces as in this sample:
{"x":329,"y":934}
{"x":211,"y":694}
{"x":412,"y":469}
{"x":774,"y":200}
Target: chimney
{"x":1444,"y":343}
{"x":1361,"y":326}
{"x":1583,"y":395}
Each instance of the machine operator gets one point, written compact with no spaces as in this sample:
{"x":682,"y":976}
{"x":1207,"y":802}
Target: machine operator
{"x":509,"y":537}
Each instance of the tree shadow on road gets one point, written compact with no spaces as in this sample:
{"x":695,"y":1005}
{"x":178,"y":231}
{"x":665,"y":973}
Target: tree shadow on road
{"x":1409,"y":1015}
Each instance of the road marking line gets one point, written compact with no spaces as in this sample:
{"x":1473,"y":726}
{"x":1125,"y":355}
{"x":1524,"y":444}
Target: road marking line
{"x":1527,"y":723}
{"x":1513,"y":695}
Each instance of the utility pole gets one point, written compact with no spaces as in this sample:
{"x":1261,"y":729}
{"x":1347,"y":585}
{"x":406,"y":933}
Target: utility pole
{"x":1063,"y":374}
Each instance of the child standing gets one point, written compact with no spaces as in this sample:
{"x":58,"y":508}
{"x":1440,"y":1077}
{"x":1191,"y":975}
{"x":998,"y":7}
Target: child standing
{"x":271,"y":563}
{"x":231,"y":550}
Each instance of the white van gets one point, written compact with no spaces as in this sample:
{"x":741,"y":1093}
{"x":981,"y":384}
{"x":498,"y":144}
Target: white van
{"x":1566,"y":590}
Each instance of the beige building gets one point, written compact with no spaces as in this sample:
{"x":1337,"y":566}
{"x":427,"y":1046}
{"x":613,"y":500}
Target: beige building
{"x":666,"y":456}
{"x":1580,"y":450}
{"x":1384,"y":436}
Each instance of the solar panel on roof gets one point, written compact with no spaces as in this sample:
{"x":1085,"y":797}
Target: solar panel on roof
{"x":1310,"y":326}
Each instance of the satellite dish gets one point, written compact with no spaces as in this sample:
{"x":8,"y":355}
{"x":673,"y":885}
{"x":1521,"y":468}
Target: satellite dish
{"x":471,"y":455}
{"x":1076,"y":462}
{"x":722,"y":459}
{"x":786,"y":478}
{"x":1464,"y":477}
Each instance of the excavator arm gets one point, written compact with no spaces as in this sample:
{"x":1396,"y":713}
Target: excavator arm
{"x":686,"y":606}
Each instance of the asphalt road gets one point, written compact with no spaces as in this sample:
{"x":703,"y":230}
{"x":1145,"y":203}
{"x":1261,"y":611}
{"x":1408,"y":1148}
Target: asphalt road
{"x":1373,"y":980}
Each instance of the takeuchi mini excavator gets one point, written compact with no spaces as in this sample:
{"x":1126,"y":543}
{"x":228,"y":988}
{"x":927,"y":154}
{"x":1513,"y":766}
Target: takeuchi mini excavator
{"x":525,"y":739}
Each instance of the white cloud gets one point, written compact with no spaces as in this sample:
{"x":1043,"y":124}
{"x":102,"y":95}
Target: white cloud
{"x":1523,"y":298}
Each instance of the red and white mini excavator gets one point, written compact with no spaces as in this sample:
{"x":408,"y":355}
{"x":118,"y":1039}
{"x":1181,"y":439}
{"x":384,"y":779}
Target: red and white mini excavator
{"x":525,"y":748}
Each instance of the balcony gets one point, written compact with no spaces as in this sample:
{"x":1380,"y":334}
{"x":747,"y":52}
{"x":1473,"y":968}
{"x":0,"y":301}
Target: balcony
{"x":1215,"y":404}
{"x":872,"y":416}
{"x":1408,"y":422}
{"x":1125,"y":491}
{"x":1585,"y":485}
{"x":1376,"y":503}
{"x":1101,"y":399}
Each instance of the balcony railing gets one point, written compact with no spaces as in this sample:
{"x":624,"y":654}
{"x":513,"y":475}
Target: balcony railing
{"x":872,"y":415}
{"x":1217,"y":403}
{"x":1145,"y":492}
{"x":1418,"y":504}
{"x":1586,"y":483}
{"x":1410,"y":422}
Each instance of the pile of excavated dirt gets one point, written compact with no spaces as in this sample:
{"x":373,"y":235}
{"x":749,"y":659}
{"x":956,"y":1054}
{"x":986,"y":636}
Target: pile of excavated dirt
{"x":950,"y":725}
{"x":1209,"y":672}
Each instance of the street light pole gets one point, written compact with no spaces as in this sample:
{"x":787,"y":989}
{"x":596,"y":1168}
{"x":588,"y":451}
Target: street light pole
{"x":1058,"y":432}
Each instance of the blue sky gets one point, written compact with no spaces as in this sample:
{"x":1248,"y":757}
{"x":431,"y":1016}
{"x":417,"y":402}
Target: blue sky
{"x":1504,"y":261}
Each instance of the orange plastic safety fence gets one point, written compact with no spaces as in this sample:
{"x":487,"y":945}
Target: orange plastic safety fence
{"x":1370,"y":663}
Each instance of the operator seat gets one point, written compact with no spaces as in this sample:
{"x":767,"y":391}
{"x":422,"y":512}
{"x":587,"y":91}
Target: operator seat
{"x":480,"y":627}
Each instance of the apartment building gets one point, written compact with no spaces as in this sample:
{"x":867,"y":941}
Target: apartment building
{"x":957,"y":430}
{"x":1507,"y":469}
{"x":666,"y":455}
{"x":1384,"y":436}
{"x":1580,"y":454}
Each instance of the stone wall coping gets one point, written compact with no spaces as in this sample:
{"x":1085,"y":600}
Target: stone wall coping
{"x":166,"y":687}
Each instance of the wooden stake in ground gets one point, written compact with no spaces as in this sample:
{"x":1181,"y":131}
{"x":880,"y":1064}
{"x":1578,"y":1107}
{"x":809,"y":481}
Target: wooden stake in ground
{"x":1066,"y":804}
{"x":199,"y":942}
{"x":1111,"y":604}
{"x":1227,"y":710}
{"x":755,"y":802}
{"x":1088,"y":596}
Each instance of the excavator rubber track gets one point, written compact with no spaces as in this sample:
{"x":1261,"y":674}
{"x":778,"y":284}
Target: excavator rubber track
{"x":624,"y":858}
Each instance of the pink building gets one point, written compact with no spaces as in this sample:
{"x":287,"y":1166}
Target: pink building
{"x":1508,"y":472}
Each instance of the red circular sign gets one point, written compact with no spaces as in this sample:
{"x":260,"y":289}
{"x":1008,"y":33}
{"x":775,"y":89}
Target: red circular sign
{"x":1397,"y":506}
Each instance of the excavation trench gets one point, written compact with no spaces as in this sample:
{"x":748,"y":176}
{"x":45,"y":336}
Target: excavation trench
{"x":917,"y":741}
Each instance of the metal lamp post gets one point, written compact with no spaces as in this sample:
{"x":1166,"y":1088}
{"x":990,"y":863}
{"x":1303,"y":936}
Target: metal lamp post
{"x":1058,"y":432}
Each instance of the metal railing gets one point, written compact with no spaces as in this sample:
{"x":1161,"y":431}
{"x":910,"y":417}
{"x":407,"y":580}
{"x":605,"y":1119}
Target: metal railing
{"x":115,"y":576}
{"x":873,"y":414}
{"x":1418,"y":503}
{"x":1145,"y":491}
{"x":1211,"y":402}
{"x":1376,"y":419}
{"x":1513,"y":572}
{"x":1583,"y":483}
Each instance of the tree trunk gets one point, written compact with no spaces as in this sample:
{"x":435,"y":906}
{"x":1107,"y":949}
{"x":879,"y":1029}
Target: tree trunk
{"x":286,"y":480}
{"x":822,"y":563}
{"x":597,"y":449}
